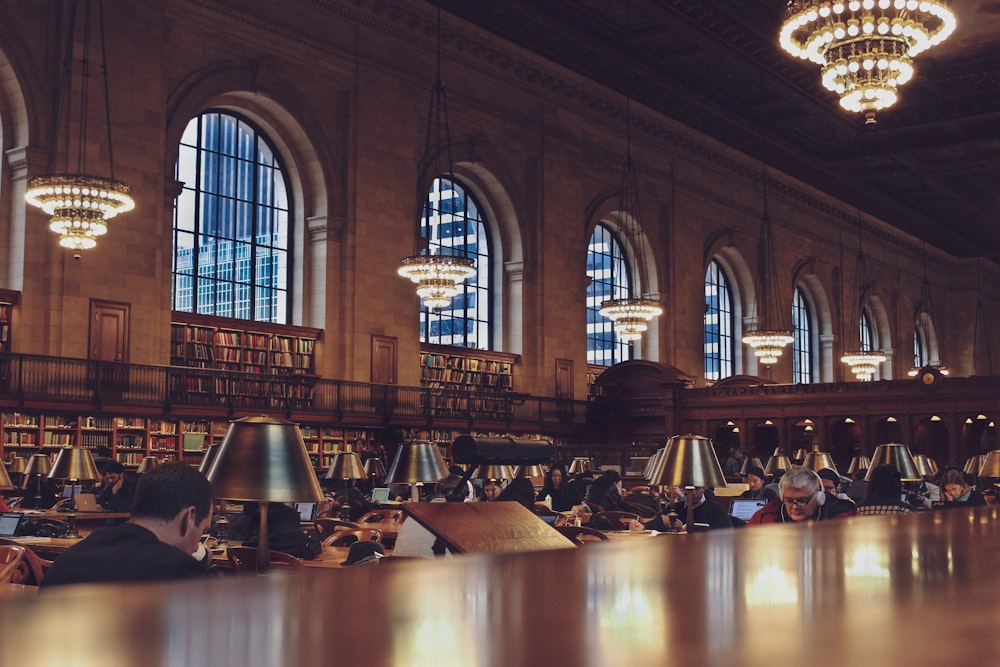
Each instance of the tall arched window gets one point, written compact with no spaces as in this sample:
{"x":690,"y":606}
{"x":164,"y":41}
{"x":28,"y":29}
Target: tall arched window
{"x":609,"y":279}
{"x":457,"y":227}
{"x":802,"y":347}
{"x":231,"y":222}
{"x":921,"y":353}
{"x":869,"y":342}
{"x":719,"y":324}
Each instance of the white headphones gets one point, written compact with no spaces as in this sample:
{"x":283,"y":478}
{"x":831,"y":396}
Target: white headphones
{"x":820,"y":493}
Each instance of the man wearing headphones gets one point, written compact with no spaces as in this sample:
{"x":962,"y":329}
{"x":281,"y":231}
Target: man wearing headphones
{"x":801,"y":498}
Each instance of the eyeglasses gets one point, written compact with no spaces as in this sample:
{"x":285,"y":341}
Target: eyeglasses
{"x":796,"y":502}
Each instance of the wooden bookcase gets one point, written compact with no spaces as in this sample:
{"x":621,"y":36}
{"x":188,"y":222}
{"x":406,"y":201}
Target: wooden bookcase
{"x":201,"y":341}
{"x":131,"y":437}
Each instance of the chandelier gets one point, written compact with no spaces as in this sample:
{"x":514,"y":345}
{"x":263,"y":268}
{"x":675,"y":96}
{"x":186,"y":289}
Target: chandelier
{"x":769,"y":338}
{"x":863,"y":361}
{"x":631,"y":315}
{"x":865,"y":47}
{"x":439,"y":277}
{"x":80,"y":204}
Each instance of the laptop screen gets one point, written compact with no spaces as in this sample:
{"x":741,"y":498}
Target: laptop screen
{"x":72,"y":490}
{"x":744,"y":508}
{"x":9,"y":522}
{"x":307,"y":511}
{"x":380,"y":494}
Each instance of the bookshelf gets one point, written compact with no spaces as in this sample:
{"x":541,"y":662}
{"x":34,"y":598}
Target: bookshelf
{"x":202,"y":341}
{"x":8,"y":299}
{"x":473,"y":380}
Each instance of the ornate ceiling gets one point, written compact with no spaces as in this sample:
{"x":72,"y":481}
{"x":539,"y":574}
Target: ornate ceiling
{"x":931,"y":166}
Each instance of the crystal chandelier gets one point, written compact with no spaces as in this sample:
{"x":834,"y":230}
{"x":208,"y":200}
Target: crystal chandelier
{"x":439,"y":277}
{"x":81,"y":204}
{"x":769,"y":338}
{"x":863,"y":361}
{"x":631,"y":315}
{"x":865,"y":47}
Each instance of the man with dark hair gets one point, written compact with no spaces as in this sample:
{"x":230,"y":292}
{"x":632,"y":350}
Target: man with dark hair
{"x":118,"y":488}
{"x":172,"y":509}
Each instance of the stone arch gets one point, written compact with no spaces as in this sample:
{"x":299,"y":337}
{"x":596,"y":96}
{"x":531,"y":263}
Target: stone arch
{"x":319,"y":196}
{"x":805,"y":279}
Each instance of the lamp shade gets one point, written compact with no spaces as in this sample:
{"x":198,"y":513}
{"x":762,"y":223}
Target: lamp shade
{"x":374,"y":468}
{"x":529,"y":471}
{"x":750,"y":462}
{"x":346,"y":465}
{"x":859,"y":463}
{"x":580,"y":464}
{"x":817,"y":460}
{"x":76,"y":464}
{"x":147,"y":464}
{"x":18,"y":465}
{"x":991,"y":465}
{"x":896,"y":455}
{"x":800,"y":454}
{"x":207,"y":458}
{"x":653,"y":463}
{"x":493,"y":472}
{"x":778,"y":463}
{"x":5,"y":483}
{"x":925,"y":466}
{"x":973,"y":465}
{"x":417,"y":462}
{"x":688,"y":460}
{"x":38,"y":464}
{"x":263,"y":459}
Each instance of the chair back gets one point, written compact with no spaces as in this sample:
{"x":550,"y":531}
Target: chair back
{"x":877,"y":510}
{"x":10,"y":558}
{"x":581,"y":535}
{"x":345,"y":538}
{"x":244,"y":559}
{"x":32,"y":567}
{"x":326,"y":527}
{"x":618,"y":520}
{"x":395,"y":517}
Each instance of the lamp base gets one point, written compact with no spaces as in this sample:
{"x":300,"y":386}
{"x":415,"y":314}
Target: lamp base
{"x":72,"y":533}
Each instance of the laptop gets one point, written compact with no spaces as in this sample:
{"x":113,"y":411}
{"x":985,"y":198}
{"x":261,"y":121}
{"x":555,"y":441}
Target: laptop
{"x":87,"y":502}
{"x":307,"y":511}
{"x":9,"y":521}
{"x":380,"y":494}
{"x":744,"y":508}
{"x":72,"y":489}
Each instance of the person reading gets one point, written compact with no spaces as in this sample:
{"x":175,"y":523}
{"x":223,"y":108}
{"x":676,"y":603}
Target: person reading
{"x":172,"y":508}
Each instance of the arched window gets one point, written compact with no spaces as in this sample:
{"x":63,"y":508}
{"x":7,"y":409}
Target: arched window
{"x":719,"y":324}
{"x":456,"y":226}
{"x":802,"y":347}
{"x":867,"y":331}
{"x":921,"y":351}
{"x":231,"y":222}
{"x":609,"y":279}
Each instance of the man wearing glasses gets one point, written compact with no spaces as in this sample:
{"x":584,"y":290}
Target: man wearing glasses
{"x":801,"y":498}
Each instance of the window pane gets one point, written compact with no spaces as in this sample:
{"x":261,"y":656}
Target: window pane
{"x":453,"y":225}
{"x":231,"y":222}
{"x":719,"y":324}
{"x":609,"y":279}
{"x":802,"y":348}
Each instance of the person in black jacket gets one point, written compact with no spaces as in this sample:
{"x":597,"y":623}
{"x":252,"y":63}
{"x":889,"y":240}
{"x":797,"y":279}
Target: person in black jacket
{"x":172,"y":510}
{"x":604,"y":492}
{"x":558,"y":488}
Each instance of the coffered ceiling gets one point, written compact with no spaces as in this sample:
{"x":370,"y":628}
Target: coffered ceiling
{"x":930,"y":166}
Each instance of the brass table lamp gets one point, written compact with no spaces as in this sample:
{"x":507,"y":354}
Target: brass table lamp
{"x":896,"y":455}
{"x":688,"y":461}
{"x":74,"y":464}
{"x":417,"y":463}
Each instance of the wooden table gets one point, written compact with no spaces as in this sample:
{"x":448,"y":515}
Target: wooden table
{"x":915,"y":589}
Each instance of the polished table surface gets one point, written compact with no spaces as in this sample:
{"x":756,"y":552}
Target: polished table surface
{"x":917,"y":589}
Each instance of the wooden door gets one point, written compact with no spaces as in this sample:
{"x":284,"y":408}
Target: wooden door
{"x":383,"y":360}
{"x":109,"y":322}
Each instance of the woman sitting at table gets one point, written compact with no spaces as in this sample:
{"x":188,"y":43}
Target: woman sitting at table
{"x":957,"y":492}
{"x":557,"y":488}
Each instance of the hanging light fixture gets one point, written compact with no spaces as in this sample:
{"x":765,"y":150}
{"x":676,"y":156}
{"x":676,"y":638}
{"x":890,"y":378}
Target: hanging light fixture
{"x":863,"y":361}
{"x":770,"y":336}
{"x":631,"y":315}
{"x":79,"y":203}
{"x":439,"y":276}
{"x":865,"y":47}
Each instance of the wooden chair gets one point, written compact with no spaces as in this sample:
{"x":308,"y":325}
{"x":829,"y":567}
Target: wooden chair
{"x":377,"y":516}
{"x":15,"y":501}
{"x":10,"y":558}
{"x":581,"y":536}
{"x":618,"y":520}
{"x":64,"y":503}
{"x":32,"y":567}
{"x":345,"y":538}
{"x":327,"y":527}
{"x":244,"y":559}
